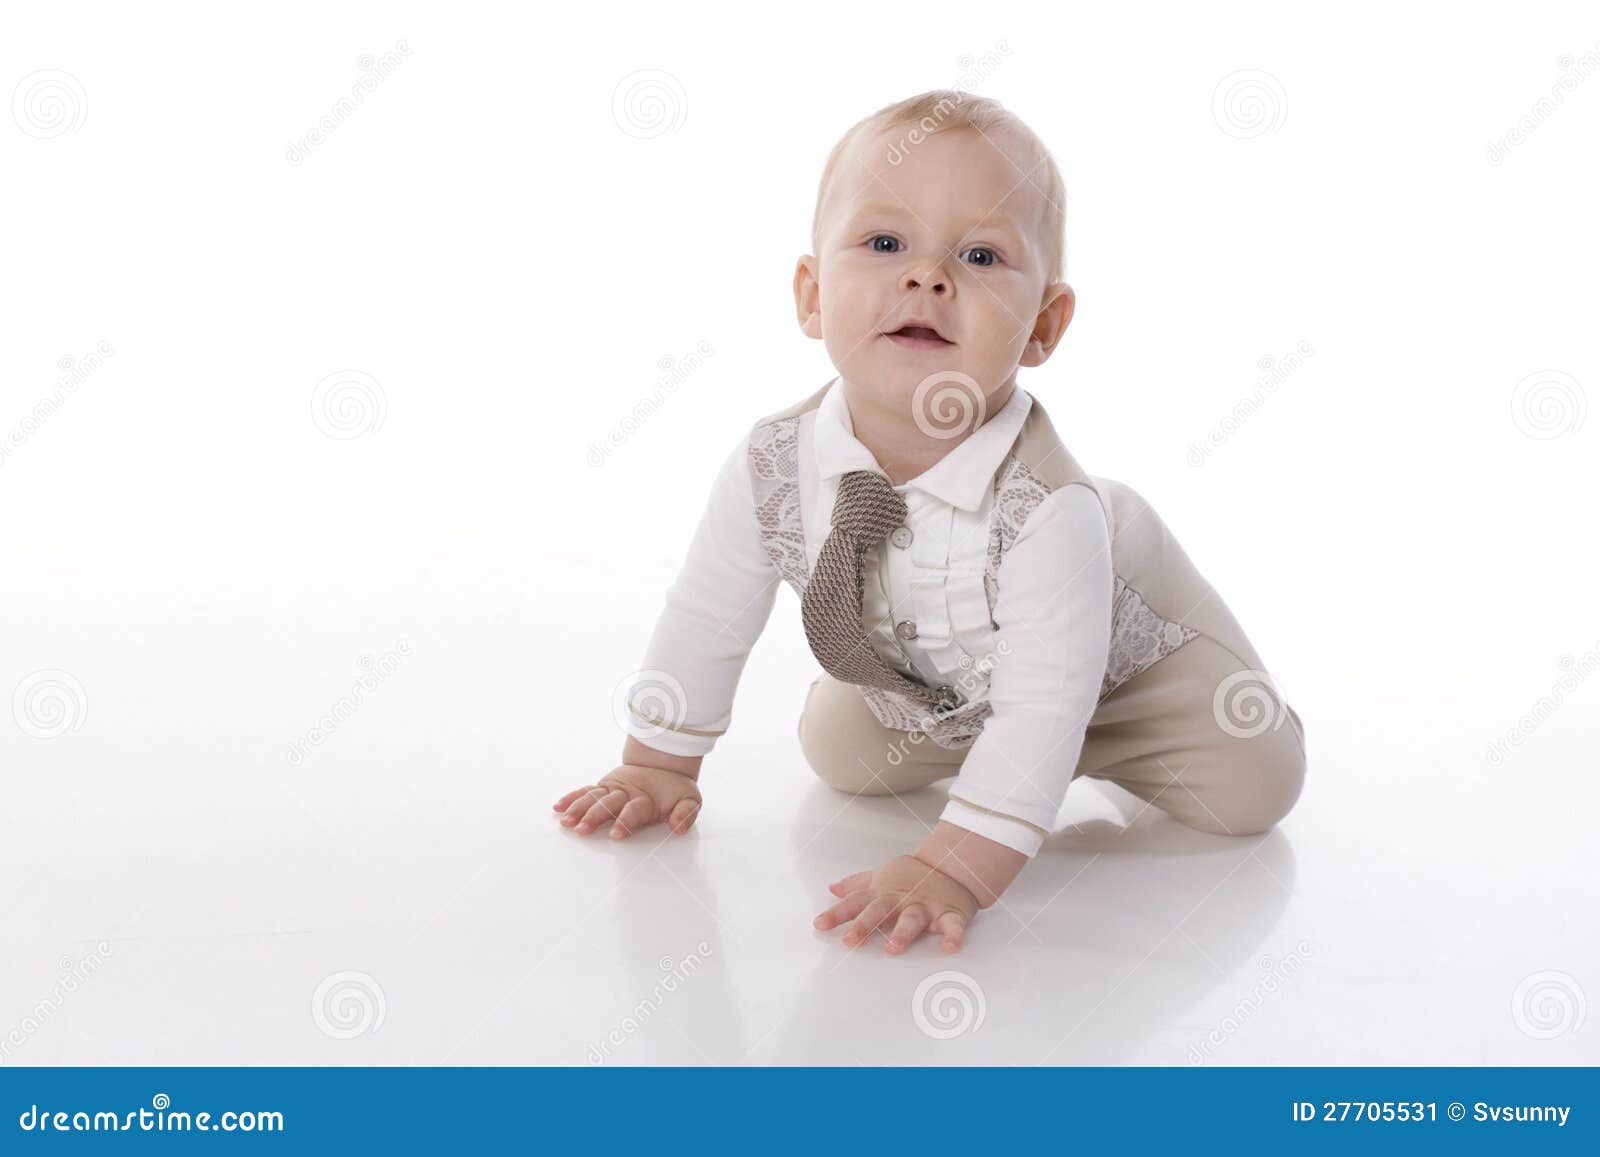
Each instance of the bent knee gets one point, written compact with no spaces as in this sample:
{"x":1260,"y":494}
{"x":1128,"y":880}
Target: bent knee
{"x":860,"y":779}
{"x":837,"y":763}
{"x":1263,"y":783}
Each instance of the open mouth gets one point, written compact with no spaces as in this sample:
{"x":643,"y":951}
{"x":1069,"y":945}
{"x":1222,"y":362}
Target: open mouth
{"x":922,"y":337}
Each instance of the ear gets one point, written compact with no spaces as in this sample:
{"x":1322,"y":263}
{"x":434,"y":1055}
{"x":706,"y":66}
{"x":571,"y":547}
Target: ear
{"x":808,"y":297}
{"x":1051,"y":324}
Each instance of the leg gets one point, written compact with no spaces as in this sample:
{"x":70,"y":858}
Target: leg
{"x":852,"y":752}
{"x":1215,"y":749}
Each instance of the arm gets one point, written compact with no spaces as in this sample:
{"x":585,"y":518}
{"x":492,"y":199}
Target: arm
{"x":714,"y":611}
{"x":1054,"y":631}
{"x":982,"y":866}
{"x":682,"y":701}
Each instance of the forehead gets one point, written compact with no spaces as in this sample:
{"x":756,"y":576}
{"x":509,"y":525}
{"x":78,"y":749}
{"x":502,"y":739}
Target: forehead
{"x":958,"y":173}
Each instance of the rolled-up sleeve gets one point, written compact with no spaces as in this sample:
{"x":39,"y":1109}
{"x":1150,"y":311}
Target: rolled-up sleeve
{"x":681,"y":700}
{"x":1053,"y":633}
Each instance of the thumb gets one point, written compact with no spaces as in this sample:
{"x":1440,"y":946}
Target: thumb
{"x":683,"y":815}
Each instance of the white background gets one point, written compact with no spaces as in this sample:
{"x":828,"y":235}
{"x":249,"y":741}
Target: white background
{"x":512,"y":249}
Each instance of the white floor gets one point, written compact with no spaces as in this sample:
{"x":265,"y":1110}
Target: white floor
{"x":404,"y":896}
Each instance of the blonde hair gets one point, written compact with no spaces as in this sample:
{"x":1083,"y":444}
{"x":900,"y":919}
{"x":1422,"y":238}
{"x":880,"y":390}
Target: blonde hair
{"x":943,"y":109}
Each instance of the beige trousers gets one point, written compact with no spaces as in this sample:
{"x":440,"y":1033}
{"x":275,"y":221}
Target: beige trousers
{"x":1158,"y":735}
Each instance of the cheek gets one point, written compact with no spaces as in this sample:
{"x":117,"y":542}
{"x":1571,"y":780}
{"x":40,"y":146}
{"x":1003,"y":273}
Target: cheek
{"x":1004,"y":322}
{"x":846,"y":306}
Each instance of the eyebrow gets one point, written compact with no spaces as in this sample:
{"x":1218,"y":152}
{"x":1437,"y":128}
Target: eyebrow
{"x":886,"y":208}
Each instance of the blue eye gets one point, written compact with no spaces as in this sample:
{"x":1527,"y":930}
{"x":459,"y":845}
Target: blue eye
{"x":994,"y":258}
{"x":884,"y":237}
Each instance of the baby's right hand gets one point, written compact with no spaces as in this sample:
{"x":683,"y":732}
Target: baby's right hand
{"x":635,"y":797}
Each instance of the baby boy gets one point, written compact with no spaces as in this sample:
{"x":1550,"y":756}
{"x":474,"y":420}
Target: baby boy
{"x":980,"y":607}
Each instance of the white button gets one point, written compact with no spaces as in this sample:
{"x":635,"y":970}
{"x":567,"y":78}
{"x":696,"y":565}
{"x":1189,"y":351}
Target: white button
{"x":901,"y":536}
{"x":906,"y":629}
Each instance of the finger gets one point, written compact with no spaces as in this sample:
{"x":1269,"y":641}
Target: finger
{"x":846,"y":909}
{"x":580,"y":805}
{"x":683,"y":814}
{"x":876,"y":913}
{"x":635,"y":814}
{"x":561,"y":804}
{"x":603,"y":812}
{"x":850,"y":883}
{"x":954,"y":929}
{"x":910,"y":925}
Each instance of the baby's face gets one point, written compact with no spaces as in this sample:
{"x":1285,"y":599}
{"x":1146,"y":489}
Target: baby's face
{"x":951,"y":237}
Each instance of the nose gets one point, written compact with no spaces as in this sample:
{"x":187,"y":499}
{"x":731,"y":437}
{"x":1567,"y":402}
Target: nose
{"x":934,"y":280}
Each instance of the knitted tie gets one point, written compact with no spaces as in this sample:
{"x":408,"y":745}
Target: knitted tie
{"x":866,"y":510}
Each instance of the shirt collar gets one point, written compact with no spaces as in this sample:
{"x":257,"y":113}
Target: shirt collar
{"x":960,"y":478}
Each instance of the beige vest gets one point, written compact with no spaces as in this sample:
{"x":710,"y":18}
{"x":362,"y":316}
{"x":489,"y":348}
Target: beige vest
{"x":1160,"y":603}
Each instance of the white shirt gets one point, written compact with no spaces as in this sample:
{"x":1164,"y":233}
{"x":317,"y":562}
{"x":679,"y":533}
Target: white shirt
{"x":1046,"y":643}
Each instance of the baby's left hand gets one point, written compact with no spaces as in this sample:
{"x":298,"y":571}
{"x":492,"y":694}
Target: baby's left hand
{"x":924,"y":899}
